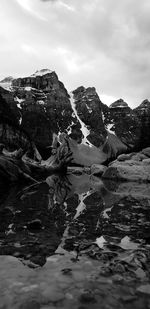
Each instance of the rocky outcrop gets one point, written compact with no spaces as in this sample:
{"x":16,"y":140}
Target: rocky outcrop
{"x":11,"y":133}
{"x":88,"y":108}
{"x":7,"y":79}
{"x":130,"y":167}
{"x":143,"y":113}
{"x":45,"y":106}
{"x":121,"y":120}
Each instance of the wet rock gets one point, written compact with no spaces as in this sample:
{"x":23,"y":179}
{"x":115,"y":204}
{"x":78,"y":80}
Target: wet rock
{"x":138,"y":157}
{"x":128,"y":298}
{"x":117,"y":278}
{"x":132,"y":167}
{"x":146,"y":152}
{"x":124,"y":157}
{"x":30,"y":304}
{"x":97,"y":169}
{"x":87,"y":297}
{"x":52,"y":294}
{"x":145,"y":289}
{"x":38,"y":260}
{"x":129,"y":171}
{"x":119,"y":268}
{"x":67,"y":271}
{"x":75,"y":170}
{"x":146,"y":161}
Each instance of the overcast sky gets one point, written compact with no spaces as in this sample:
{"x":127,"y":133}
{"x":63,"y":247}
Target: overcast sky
{"x":101,"y":43}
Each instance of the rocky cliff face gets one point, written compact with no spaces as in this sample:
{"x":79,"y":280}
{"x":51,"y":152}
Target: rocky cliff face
{"x":44,"y":105}
{"x":10,"y":132}
{"x":41,"y":106}
{"x":88,"y":109}
{"x":122,"y":121}
{"x":143,"y":114}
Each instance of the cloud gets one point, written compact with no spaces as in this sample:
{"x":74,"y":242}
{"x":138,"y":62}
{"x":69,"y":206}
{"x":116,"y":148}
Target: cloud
{"x":29,"y":49}
{"x":60,"y":3}
{"x":27,"y":5}
{"x":97,"y":43}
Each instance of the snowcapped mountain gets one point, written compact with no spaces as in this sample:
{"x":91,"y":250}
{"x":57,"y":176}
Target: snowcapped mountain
{"x":42,"y":106}
{"x":7,"y":79}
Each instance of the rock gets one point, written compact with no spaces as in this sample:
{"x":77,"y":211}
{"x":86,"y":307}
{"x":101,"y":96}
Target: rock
{"x":128,"y":298}
{"x":88,"y":107}
{"x":87,"y":297}
{"x":119,"y":104}
{"x":146,"y":161}
{"x":132,"y":167}
{"x":52,"y":294}
{"x":124,"y":123}
{"x":145,"y":289}
{"x":146,"y":152}
{"x":75,"y":170}
{"x":30,"y":304}
{"x":7,"y":79}
{"x":126,"y":172}
{"x":124,"y":157}
{"x":138,"y":157}
{"x":143,"y":113}
{"x":97,"y":169}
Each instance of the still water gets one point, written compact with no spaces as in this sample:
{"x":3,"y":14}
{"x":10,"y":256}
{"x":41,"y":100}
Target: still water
{"x":68,"y":233}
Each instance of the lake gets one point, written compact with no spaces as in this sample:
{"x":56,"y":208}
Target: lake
{"x":75,"y":242}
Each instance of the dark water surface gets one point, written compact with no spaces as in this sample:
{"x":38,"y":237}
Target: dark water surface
{"x":75,"y":242}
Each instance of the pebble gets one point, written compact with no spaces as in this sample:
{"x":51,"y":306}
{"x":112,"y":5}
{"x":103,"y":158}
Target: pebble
{"x":53,"y":295}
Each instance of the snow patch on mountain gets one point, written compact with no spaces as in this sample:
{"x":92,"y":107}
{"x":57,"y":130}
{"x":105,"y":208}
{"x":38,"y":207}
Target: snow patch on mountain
{"x":84,"y":129}
{"x":41,"y":72}
{"x":28,"y":88}
{"x":7,"y":86}
{"x":89,"y":109}
{"x":109,"y":127}
{"x":69,"y":129}
{"x":103,"y":117}
{"x":19,"y":101}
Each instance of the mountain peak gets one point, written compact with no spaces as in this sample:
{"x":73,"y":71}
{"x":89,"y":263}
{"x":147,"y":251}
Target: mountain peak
{"x":144,"y":105}
{"x":119,"y":104}
{"x":7,"y":79}
{"x":41,"y":72}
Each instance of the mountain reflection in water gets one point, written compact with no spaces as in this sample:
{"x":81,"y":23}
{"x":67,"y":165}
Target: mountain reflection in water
{"x":80,"y":214}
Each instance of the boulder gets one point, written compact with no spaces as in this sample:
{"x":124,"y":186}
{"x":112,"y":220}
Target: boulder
{"x":146,"y":161}
{"x":138,"y":157}
{"x":124,"y":157}
{"x":76,"y":170}
{"x":146,"y":152}
{"x":98,"y":169}
{"x":132,"y":167}
{"x":128,"y":172}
